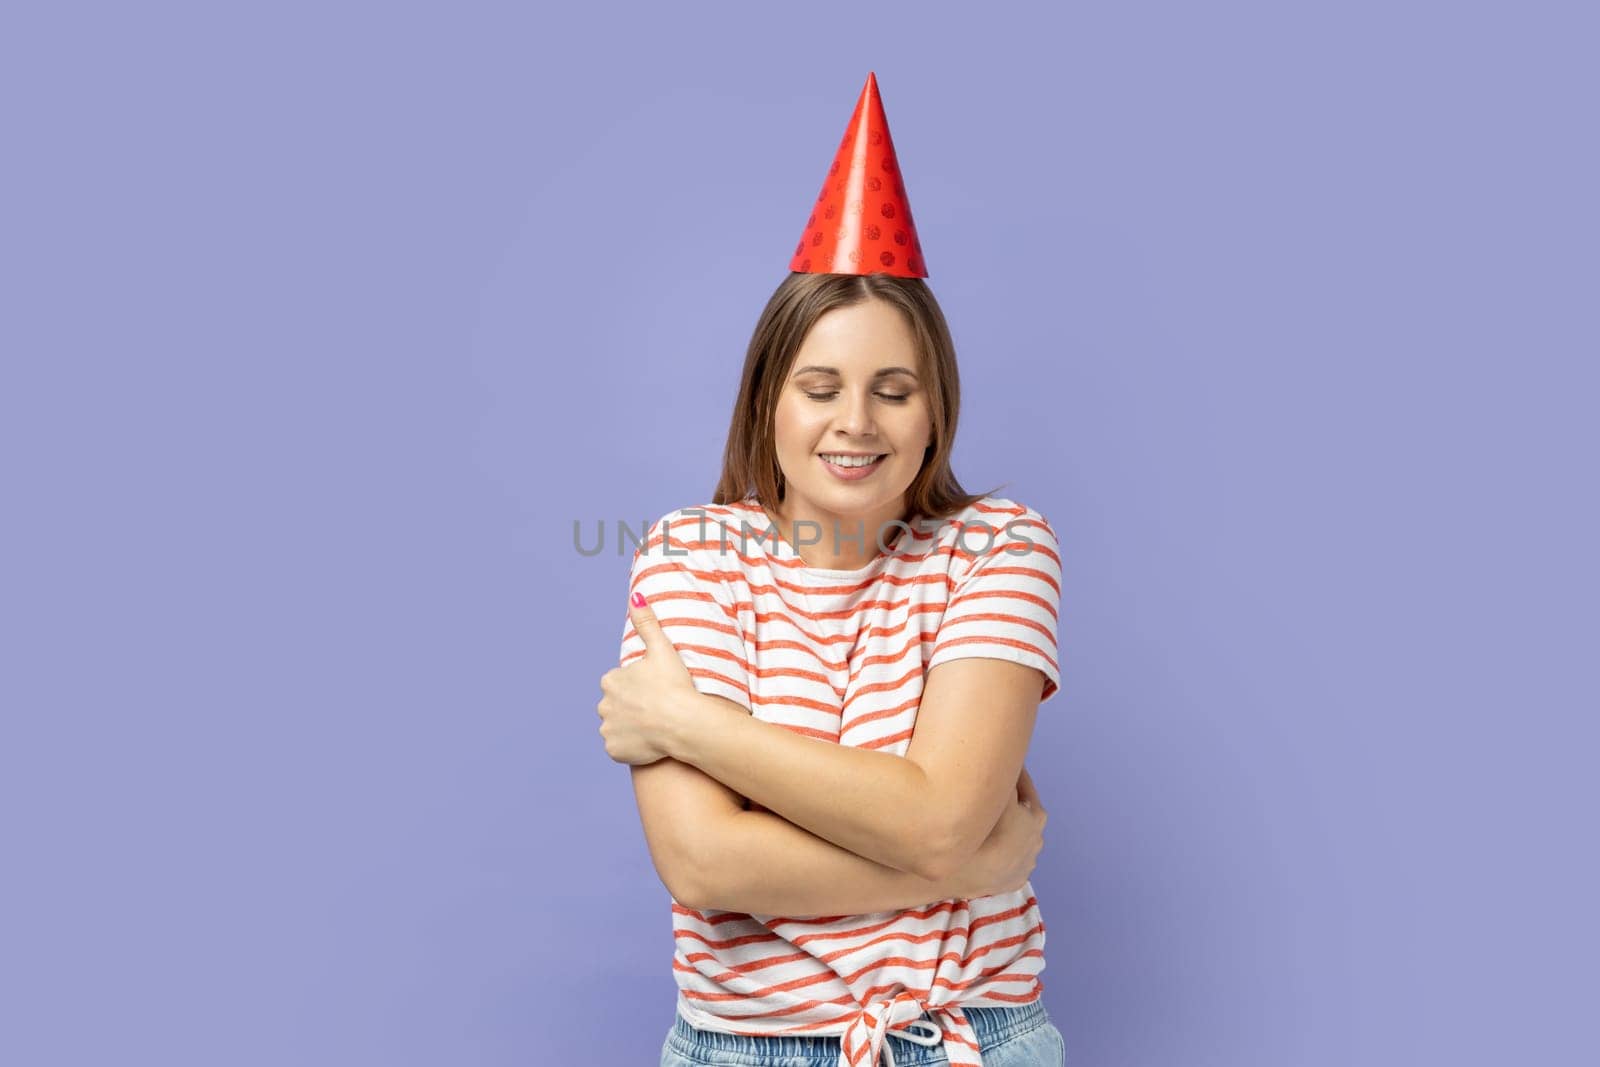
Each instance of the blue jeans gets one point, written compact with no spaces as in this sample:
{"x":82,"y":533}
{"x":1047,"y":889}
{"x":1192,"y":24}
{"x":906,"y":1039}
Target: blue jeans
{"x":1007,"y":1037}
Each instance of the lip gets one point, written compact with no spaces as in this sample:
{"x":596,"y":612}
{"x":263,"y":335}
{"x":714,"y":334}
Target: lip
{"x":852,"y":474}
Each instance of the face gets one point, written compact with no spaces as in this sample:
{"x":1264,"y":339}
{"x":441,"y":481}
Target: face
{"x":855,"y":387}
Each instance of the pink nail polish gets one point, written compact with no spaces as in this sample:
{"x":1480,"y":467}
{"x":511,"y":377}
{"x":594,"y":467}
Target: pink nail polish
{"x":638,"y":599}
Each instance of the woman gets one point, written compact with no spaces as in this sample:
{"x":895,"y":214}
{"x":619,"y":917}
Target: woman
{"x":867,"y":895}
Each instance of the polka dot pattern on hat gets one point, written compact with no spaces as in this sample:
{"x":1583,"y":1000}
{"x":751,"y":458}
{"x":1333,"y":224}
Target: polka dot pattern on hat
{"x":861,"y":223}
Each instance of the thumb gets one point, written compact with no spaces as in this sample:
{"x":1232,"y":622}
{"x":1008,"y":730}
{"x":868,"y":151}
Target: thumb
{"x":649,"y":627}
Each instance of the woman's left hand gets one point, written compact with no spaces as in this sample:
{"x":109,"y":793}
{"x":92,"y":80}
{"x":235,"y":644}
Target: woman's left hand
{"x":640,"y":699}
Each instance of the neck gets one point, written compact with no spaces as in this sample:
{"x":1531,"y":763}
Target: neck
{"x":839,"y":542}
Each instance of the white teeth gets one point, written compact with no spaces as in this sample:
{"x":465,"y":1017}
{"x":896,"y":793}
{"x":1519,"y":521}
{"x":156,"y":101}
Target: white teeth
{"x":851,"y":461}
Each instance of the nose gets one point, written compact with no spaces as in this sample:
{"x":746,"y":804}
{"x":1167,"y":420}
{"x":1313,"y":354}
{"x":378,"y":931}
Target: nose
{"x":856,"y":418}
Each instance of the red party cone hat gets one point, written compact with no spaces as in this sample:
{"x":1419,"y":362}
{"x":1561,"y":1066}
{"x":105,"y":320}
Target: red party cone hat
{"x":861,"y":222}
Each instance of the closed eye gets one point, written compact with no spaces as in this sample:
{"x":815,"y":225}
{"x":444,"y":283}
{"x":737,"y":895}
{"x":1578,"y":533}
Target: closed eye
{"x":896,"y":398}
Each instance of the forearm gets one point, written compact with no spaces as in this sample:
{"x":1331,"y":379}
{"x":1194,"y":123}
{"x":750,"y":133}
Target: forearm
{"x":759,"y":863}
{"x":875,"y":804}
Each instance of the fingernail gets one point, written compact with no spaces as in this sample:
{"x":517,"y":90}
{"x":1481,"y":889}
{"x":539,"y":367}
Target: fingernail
{"x":638,"y":599}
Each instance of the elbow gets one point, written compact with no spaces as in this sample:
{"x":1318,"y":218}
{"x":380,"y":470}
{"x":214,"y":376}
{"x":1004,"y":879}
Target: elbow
{"x":685,"y":889}
{"x":950,"y":846}
{"x":694,"y":867}
{"x":938,"y":865}
{"x":952,"y":843}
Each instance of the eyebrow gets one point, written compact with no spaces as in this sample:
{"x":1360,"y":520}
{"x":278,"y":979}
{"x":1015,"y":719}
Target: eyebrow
{"x":884,"y":373}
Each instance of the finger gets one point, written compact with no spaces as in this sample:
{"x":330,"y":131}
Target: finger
{"x":648,"y":626}
{"x":1025,"y":788}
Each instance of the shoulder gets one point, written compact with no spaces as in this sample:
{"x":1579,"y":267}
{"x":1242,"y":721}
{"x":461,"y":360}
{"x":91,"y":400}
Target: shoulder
{"x":998,"y":524}
{"x":707,"y":536}
{"x":1005,"y":550}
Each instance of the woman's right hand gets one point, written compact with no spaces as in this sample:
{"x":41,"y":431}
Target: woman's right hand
{"x":1007,"y":857}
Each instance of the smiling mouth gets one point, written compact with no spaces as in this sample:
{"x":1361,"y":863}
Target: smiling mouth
{"x":856,"y":468}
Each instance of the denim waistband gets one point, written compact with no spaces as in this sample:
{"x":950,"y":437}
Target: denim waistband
{"x":991,"y":1025}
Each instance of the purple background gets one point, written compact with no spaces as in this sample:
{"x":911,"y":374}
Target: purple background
{"x":323,"y":323}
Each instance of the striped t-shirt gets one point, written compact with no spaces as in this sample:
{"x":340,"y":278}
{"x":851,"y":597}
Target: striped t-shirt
{"x":841,"y":655}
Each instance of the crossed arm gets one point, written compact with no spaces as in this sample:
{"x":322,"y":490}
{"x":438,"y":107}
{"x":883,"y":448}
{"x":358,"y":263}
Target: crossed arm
{"x":850,"y":830}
